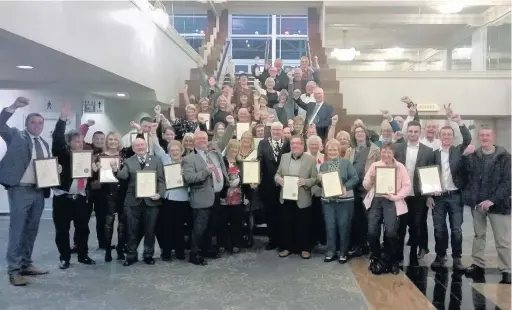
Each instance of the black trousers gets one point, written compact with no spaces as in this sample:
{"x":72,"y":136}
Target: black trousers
{"x":318,"y":226}
{"x":170,"y":226}
{"x":296,"y":227}
{"x":112,"y":207}
{"x":359,"y":230}
{"x":232,"y":226}
{"x":271,"y":207}
{"x":383,"y":211}
{"x":201,"y":240}
{"x":67,"y":208}
{"x":416,"y":220}
{"x":135,"y":215}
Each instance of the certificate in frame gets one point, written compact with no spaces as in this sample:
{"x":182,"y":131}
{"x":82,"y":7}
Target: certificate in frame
{"x":145,"y":184}
{"x":105,"y":173}
{"x":241,"y":128}
{"x":81,"y":164}
{"x":206,"y":117}
{"x":385,"y":180}
{"x":251,"y":172}
{"x":173,"y":176}
{"x":331,"y":184}
{"x":290,"y":188}
{"x":49,"y":168}
{"x":430,"y":179}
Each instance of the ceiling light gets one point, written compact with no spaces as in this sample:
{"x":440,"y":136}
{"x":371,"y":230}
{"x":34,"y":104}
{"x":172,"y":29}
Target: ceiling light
{"x":395,"y":52}
{"x":121,"y":95}
{"x":25,"y":67}
{"x":345,"y":54}
{"x":450,"y":8}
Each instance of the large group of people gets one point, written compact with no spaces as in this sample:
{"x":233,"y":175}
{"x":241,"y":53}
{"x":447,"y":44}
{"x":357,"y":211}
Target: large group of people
{"x":291,"y":132}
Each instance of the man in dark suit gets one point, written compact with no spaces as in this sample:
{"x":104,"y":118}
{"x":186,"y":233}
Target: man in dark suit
{"x":141,"y":209}
{"x":414,"y":155}
{"x":70,"y":198}
{"x":449,"y":202}
{"x":269,"y":156}
{"x":318,"y":113}
{"x":26,"y":201}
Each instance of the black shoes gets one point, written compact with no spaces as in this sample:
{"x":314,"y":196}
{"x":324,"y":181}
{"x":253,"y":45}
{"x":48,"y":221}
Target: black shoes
{"x":475,"y":270}
{"x":270,"y":246}
{"x":149,"y":260}
{"x":197,"y":260}
{"x":180,"y":255}
{"x":129,"y":262}
{"x":166,"y":257}
{"x":394,"y":269}
{"x":458,"y":266}
{"x":120,"y":256}
{"x":64,"y":264}
{"x":359,"y":251}
{"x":328,"y":259}
{"x":108,"y":256}
{"x":422,"y":253}
{"x":505,"y":278}
{"x":86,"y":260}
{"x":438,"y":262}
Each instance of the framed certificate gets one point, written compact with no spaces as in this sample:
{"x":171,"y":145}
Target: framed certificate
{"x":290,"y":188}
{"x":256,"y":142}
{"x":331,"y":184}
{"x":430,"y":179}
{"x":206,"y":118}
{"x":81,"y":164}
{"x":241,"y":128}
{"x":134,"y":135}
{"x":385,"y":180}
{"x":251,"y":172}
{"x":145,"y":184}
{"x":47,"y":172}
{"x":105,"y":174}
{"x":173,"y":176}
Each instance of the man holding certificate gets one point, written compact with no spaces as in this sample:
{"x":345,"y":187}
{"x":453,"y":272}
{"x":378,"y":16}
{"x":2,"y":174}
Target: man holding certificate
{"x":449,"y":202}
{"x":26,"y":199}
{"x":146,"y":185}
{"x":70,"y":198}
{"x":296,"y":175}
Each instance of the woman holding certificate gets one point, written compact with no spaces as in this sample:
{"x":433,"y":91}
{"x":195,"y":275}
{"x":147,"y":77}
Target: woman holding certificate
{"x":175,"y":207}
{"x":338,"y":177}
{"x":387,"y":183}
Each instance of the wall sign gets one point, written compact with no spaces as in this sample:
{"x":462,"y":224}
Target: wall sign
{"x":93,"y":105}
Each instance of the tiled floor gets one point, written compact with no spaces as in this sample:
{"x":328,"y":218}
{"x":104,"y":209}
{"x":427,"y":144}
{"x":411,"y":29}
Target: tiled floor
{"x":255,"y":279}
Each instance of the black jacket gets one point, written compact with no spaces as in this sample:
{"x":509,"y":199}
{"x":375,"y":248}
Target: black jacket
{"x":425,"y":158}
{"x":493,"y":186}
{"x":269,"y":165}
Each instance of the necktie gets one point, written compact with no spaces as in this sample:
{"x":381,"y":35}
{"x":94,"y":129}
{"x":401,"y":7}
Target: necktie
{"x":142,"y":162}
{"x":315,"y":114}
{"x":210,"y":162}
{"x":39,"y":148}
{"x":80,"y":185}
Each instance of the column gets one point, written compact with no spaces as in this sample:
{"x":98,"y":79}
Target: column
{"x":479,"y":50}
{"x":274,"y":39}
{"x":322,"y":22}
{"x":446,"y":59}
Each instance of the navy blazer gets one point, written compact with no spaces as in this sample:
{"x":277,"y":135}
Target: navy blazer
{"x":18,"y":155}
{"x":324,"y":116}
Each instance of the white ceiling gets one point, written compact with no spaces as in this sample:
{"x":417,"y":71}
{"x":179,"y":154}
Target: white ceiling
{"x":59,"y":72}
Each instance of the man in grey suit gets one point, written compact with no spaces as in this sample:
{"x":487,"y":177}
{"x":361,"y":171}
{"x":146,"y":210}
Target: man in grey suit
{"x":26,"y":201}
{"x":141,"y":209}
{"x":205,"y":173}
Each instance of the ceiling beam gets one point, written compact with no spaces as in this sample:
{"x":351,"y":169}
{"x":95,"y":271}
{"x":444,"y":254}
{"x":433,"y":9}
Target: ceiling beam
{"x":376,"y":3}
{"x":343,"y":20}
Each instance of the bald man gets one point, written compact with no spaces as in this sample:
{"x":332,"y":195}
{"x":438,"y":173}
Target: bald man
{"x":318,"y":112}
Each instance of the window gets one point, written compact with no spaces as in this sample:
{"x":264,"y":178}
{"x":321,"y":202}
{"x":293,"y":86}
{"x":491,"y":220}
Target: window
{"x":251,"y":24}
{"x":190,"y":23}
{"x":250,"y":48}
{"x":291,"y":25}
{"x":241,"y":68}
{"x":195,"y":41}
{"x":290,"y":48}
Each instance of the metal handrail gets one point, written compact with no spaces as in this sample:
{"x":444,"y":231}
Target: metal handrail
{"x":223,"y":60}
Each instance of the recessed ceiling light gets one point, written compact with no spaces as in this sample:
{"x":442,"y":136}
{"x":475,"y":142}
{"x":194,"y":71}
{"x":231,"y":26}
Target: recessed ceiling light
{"x":25,"y":67}
{"x":450,"y":8}
{"x":121,"y":95}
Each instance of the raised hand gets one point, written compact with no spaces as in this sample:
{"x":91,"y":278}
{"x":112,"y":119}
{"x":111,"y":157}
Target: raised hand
{"x":334,"y":120}
{"x":65,"y":111}
{"x":20,"y":102}
{"x":172,"y":103}
{"x":135,"y":126}
{"x":230,"y":119}
{"x":90,"y":122}
{"x":412,"y":110}
{"x":154,"y":126}
{"x":386,"y":115}
{"x":448,"y":110}
{"x":158,"y":110}
{"x":184,"y":89}
{"x":407,"y":101}
{"x":296,"y":93}
{"x":456,"y":118}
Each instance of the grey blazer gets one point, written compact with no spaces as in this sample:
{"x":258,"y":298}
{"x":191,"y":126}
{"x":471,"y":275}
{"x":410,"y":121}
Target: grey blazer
{"x":129,"y":172}
{"x":200,"y":179}
{"x":308,"y":172}
{"x":19,"y":152}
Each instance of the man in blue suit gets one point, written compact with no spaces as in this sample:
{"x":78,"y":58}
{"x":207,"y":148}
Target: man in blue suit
{"x":26,"y":201}
{"x":318,"y":113}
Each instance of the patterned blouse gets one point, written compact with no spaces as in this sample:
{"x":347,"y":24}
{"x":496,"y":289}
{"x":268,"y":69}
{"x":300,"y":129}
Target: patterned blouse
{"x":182,"y":126}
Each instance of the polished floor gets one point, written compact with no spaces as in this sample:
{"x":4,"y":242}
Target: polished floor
{"x":254,"y":279}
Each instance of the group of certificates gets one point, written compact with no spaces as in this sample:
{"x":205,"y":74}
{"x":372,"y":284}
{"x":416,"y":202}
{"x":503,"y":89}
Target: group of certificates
{"x":386,"y":180}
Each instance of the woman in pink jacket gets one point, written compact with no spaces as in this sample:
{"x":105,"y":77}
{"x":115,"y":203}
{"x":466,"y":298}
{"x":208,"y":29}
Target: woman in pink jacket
{"x":385,"y":209}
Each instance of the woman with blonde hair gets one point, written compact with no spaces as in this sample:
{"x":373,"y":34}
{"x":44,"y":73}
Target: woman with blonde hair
{"x":188,"y":143}
{"x":222,"y":112}
{"x":189,"y":124}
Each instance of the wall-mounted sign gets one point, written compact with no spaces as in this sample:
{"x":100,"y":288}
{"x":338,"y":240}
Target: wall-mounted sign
{"x":427,"y":107}
{"x":93,"y":105}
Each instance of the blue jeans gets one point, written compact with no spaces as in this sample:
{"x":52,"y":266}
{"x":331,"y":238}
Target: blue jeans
{"x":452,"y":206}
{"x":338,"y":217}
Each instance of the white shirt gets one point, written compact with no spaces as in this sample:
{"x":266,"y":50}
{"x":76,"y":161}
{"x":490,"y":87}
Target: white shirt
{"x":73,"y":189}
{"x":410,"y":162}
{"x":435,"y":144}
{"x":3,"y":148}
{"x":318,"y":106}
{"x":29,"y":177}
{"x":446,"y":173}
{"x":306,"y":99}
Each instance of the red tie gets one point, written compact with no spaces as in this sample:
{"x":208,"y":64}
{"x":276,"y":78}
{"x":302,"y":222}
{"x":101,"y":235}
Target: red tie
{"x":80,"y":185}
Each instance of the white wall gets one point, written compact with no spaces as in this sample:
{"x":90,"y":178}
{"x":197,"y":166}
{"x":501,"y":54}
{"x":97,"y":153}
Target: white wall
{"x":471,"y":93}
{"x":114,"y":35}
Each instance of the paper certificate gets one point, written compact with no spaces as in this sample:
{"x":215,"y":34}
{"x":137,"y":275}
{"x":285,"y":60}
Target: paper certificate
{"x":47,"y":172}
{"x":81,"y":164}
{"x":430,"y":179}
{"x":241,"y":128}
{"x":206,"y":118}
{"x":256,"y":142}
{"x":173,"y":176}
{"x":290,"y":188}
{"x":251,"y":172}
{"x":252,"y":156}
{"x":133,"y":136}
{"x":331,"y":184}
{"x":105,"y":174}
{"x":145,"y":185}
{"x":385,"y":180}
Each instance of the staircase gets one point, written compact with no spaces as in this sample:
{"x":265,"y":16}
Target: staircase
{"x":328,"y":80}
